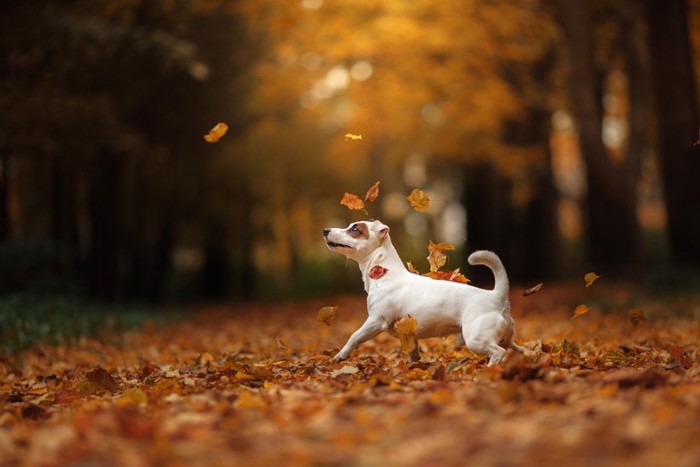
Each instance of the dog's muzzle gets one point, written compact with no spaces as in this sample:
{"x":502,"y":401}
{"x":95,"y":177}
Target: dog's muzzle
{"x":331,"y":244}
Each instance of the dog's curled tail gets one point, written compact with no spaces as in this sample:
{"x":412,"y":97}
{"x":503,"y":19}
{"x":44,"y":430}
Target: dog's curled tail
{"x":490,"y":259}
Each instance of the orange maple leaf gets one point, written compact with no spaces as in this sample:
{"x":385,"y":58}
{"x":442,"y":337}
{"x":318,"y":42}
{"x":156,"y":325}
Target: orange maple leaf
{"x":352,"y":201}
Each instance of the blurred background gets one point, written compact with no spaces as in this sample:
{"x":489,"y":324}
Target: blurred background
{"x":559,"y":134}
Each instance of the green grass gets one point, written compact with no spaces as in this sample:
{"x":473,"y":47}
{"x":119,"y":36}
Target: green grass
{"x":29,"y":321}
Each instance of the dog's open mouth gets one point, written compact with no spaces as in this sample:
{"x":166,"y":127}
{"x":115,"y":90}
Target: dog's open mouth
{"x":336,"y":245}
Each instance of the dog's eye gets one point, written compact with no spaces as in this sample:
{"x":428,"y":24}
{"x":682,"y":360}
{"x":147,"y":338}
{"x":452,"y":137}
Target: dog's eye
{"x":355,"y":229}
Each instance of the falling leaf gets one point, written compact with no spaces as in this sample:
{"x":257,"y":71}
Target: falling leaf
{"x":437,"y":254}
{"x":419,"y":200}
{"x":372,"y":193}
{"x":101,"y":378}
{"x":326,"y":315}
{"x":590,"y":278}
{"x":377,"y":272}
{"x":406,"y":329}
{"x":352,"y":136}
{"x":636,"y":316}
{"x":580,"y":310}
{"x":352,"y":201}
{"x":280,"y":345}
{"x":532,"y":290}
{"x":216,"y":133}
{"x":411,"y":268}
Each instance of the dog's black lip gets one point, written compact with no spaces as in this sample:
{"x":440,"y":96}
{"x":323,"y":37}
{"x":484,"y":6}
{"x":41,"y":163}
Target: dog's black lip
{"x":336,"y":245}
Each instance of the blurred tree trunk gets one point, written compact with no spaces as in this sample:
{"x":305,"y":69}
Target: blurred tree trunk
{"x":489,"y":217}
{"x":105,"y":226}
{"x":677,"y":126}
{"x":613,"y":233}
{"x":216,"y":269}
{"x":4,"y":193}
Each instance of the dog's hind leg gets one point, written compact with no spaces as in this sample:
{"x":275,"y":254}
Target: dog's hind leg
{"x":373,"y":326}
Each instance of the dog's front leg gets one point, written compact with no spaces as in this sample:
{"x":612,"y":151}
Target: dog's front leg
{"x":373,"y":326}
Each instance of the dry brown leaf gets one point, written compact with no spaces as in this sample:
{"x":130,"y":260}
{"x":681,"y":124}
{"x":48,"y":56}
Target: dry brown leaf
{"x":372,"y":193}
{"x":419,"y":200}
{"x":351,"y":136}
{"x":636,"y":316}
{"x":532,"y":290}
{"x":352,"y":201}
{"x":326,"y":315}
{"x":101,"y":378}
{"x":437,"y":256}
{"x":216,"y":133}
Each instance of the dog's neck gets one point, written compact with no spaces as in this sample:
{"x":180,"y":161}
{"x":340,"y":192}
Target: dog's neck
{"x":385,"y":256}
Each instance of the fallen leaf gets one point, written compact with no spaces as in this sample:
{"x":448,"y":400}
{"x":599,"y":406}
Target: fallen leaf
{"x":451,"y":276}
{"x":372,"y":193}
{"x":345,"y":370}
{"x":101,"y":378}
{"x":352,"y":201}
{"x":532,"y":290}
{"x":636,"y":316}
{"x":216,"y":133}
{"x":133,"y":396}
{"x":411,"y":268}
{"x":580,"y":310}
{"x":406,"y":329}
{"x":352,"y":136}
{"x":419,"y":200}
{"x":377,"y":272}
{"x":590,"y":278}
{"x":326,"y":315}
{"x":250,"y":401}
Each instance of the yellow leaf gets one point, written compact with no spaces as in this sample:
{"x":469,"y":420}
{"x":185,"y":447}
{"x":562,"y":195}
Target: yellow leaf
{"x":352,"y":201}
{"x":590,"y":278}
{"x":352,"y":136}
{"x":419,"y":200}
{"x":216,"y":133}
{"x":436,"y":254}
{"x":580,"y":310}
{"x":636,"y":316}
{"x":372,"y":193}
{"x":326,"y":315}
{"x":406,"y":329}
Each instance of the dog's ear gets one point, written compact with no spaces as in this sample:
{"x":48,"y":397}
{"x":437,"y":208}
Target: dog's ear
{"x":382,"y":229}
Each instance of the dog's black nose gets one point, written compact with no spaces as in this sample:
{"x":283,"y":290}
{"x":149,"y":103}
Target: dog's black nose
{"x":326,"y":232}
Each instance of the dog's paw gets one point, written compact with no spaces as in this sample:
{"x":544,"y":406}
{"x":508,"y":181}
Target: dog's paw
{"x":339,"y":357}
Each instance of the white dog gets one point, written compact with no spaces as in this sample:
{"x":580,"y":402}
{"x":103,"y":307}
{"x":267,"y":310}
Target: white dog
{"x":441,"y":308}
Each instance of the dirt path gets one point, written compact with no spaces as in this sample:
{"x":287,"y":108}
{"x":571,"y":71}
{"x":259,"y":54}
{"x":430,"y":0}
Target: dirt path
{"x":253,"y":385}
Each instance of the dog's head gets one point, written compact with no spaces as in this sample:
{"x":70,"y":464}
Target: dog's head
{"x":358,"y":240}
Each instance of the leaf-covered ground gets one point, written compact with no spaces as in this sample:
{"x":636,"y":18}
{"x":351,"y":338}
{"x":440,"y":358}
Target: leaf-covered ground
{"x":253,"y":385}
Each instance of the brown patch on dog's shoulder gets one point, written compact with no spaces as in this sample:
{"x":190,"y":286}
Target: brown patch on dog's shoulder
{"x":362,"y":230}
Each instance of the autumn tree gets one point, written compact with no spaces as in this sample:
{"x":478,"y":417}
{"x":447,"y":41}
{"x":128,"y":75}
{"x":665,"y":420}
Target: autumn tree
{"x":677,"y":124}
{"x":613,"y":233}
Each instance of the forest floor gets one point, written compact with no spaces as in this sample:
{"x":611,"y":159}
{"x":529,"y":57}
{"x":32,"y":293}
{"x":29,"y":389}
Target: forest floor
{"x":254,"y":385}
